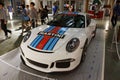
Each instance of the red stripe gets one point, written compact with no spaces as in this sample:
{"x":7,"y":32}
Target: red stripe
{"x":46,"y":38}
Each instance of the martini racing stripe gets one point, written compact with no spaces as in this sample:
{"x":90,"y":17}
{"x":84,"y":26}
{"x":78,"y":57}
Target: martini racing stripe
{"x":51,"y":41}
{"x":39,"y":37}
{"x":46,"y":38}
{"x":63,"y":30}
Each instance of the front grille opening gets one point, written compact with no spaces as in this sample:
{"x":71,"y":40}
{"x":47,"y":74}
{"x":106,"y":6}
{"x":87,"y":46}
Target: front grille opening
{"x":22,"y":52}
{"x":38,"y":64}
{"x":52,"y":65}
{"x":62,"y":64}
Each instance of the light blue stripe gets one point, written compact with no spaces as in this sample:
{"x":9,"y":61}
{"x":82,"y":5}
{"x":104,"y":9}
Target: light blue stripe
{"x":56,"y":39}
{"x":48,"y":44}
{"x":34,"y":41}
{"x":38,"y":42}
{"x":53,"y":44}
{"x":38,"y":38}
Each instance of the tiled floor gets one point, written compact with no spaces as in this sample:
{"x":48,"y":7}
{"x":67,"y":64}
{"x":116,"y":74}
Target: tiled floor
{"x":14,"y":41}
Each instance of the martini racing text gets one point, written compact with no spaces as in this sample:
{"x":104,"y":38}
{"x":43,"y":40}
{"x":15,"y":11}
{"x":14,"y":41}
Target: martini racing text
{"x":51,"y":34}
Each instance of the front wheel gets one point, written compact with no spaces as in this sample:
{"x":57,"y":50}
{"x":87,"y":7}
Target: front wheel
{"x":94,"y":33}
{"x":84,"y":52}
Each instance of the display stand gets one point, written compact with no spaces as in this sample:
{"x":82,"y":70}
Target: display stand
{"x":114,"y":40}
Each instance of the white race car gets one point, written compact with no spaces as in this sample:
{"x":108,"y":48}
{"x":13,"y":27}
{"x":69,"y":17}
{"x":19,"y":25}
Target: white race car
{"x":60,"y":45}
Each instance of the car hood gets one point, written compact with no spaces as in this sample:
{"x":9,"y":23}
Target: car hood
{"x":52,"y":38}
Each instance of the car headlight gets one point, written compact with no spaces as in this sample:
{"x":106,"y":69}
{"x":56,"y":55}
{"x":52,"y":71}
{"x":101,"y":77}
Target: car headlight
{"x":26,"y":37}
{"x":72,"y":45}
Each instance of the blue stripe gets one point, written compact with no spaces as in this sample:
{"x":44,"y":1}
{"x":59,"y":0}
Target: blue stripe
{"x":48,"y":44}
{"x":34,"y":41}
{"x":40,"y":37}
{"x":62,"y":31}
{"x":53,"y":44}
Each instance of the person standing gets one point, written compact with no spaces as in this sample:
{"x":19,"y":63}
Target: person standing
{"x":33,"y":14}
{"x":115,"y":17}
{"x":3,"y":20}
{"x":25,"y":18}
{"x":10,"y":11}
{"x":27,"y":9}
{"x":46,"y":12}
{"x":55,"y":8}
{"x":43,"y":14}
{"x":115,"y":14}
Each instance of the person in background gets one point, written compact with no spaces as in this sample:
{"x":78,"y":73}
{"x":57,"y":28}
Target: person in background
{"x":115,"y":14}
{"x":27,"y":9}
{"x":10,"y":11}
{"x":115,"y":17}
{"x":25,"y":18}
{"x":71,"y":8}
{"x":46,"y":12}
{"x":3,"y":20}
{"x":43,"y":14}
{"x":55,"y":8}
{"x":33,"y":14}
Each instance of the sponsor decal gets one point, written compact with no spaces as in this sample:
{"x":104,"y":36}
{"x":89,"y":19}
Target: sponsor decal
{"x":51,"y":34}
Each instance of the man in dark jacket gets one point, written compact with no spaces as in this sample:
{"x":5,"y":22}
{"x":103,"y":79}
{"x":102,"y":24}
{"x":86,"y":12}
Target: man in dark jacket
{"x":115,"y":13}
{"x":3,"y":20}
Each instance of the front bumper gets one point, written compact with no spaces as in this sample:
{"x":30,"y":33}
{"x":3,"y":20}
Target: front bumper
{"x":51,"y":65}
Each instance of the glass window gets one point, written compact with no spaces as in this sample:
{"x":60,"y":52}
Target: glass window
{"x":68,"y":20}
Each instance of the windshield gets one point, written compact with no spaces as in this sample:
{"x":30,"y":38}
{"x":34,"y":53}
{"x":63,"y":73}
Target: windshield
{"x":66,"y":20}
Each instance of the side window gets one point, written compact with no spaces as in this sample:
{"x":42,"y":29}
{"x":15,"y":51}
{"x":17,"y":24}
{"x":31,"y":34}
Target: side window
{"x":88,"y":20}
{"x":80,"y":21}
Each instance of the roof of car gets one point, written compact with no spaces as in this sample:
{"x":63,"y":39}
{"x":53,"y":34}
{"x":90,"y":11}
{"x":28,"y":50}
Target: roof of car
{"x":75,"y":13}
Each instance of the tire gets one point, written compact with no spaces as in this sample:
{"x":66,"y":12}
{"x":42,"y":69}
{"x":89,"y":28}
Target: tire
{"x":94,"y":33}
{"x":84,"y":52}
{"x":83,"y":57}
{"x":22,"y":60}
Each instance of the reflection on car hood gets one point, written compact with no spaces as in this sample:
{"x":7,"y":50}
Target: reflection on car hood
{"x":52,"y":38}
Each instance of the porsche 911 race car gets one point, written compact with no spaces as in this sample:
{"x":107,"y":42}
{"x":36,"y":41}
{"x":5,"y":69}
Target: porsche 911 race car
{"x":60,"y":45}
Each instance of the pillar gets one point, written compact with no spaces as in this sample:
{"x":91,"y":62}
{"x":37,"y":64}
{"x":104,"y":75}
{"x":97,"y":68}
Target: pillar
{"x":61,"y":7}
{"x":69,"y":2}
{"x":108,"y":2}
{"x":37,"y":4}
{"x":27,"y":2}
{"x":85,"y":5}
{"x":44,"y":3}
